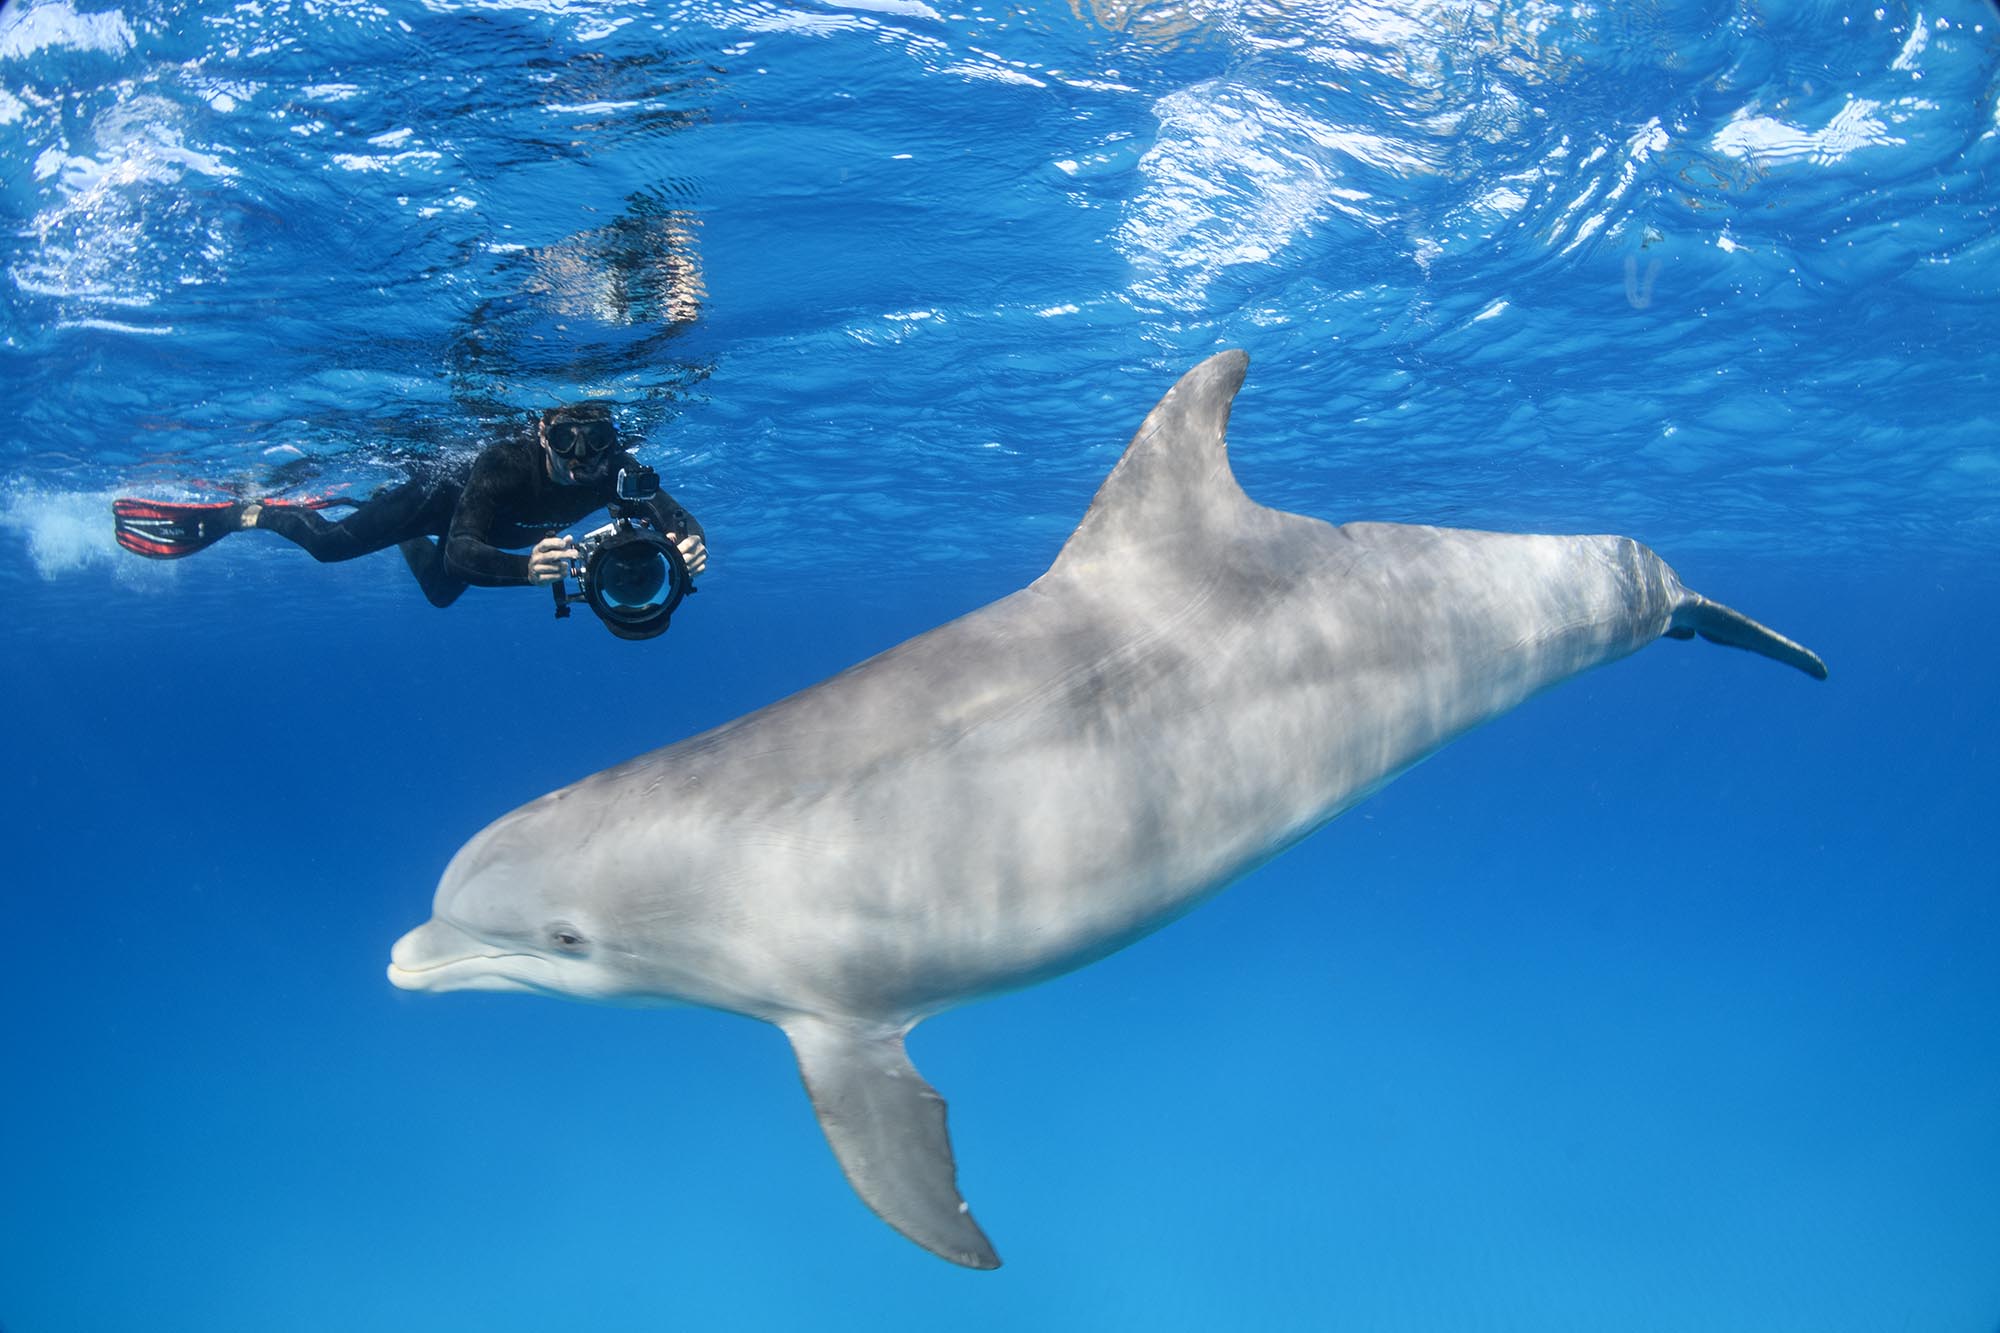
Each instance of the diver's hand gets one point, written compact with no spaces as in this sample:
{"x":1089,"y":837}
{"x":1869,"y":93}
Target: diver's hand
{"x":550,"y":559}
{"x":693,"y":550}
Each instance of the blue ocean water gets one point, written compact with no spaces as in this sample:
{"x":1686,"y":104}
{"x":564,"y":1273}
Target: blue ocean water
{"x":1670,"y":1002}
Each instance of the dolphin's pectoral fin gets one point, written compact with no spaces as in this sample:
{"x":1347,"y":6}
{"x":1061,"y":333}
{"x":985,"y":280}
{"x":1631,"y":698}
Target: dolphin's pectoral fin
{"x":887,"y":1129}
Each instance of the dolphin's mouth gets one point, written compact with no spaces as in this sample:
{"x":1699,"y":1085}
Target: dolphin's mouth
{"x":438,"y":956}
{"x":477,"y":973}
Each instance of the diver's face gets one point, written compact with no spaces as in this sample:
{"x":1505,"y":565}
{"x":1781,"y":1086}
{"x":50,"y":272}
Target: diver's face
{"x":578,"y":452}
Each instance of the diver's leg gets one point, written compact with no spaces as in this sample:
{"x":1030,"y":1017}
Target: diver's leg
{"x":379,"y":522}
{"x":426,"y":560}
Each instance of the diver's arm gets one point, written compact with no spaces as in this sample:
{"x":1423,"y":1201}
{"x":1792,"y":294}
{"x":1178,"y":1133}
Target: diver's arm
{"x":468,"y":552}
{"x":670,"y":516}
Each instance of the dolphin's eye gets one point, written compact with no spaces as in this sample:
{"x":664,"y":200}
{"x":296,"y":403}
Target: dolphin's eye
{"x":566,"y":937}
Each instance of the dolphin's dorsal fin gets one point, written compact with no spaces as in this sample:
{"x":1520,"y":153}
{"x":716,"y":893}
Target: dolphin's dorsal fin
{"x":1173,"y":486}
{"x":887,"y":1128}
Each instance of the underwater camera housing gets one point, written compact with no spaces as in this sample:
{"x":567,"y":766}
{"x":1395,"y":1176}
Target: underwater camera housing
{"x":627,"y":572}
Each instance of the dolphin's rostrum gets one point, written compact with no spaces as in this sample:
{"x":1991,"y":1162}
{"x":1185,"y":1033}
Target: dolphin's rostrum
{"x":1195,"y":684}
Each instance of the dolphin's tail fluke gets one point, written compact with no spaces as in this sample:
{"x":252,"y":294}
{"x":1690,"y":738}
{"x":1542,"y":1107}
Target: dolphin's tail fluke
{"x":1718,"y":624}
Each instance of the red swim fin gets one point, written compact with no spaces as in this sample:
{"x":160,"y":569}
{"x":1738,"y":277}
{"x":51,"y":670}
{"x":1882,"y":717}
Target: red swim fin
{"x":164,"y":531}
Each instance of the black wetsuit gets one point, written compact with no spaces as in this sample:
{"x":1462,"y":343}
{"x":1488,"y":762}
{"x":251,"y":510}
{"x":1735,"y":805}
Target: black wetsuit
{"x":506,"y":501}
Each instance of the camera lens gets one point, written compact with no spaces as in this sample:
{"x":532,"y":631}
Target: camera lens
{"x":633,"y":580}
{"x":631,"y":577}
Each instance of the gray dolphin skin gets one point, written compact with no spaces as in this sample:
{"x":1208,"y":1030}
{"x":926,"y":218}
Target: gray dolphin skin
{"x":1195,"y":684}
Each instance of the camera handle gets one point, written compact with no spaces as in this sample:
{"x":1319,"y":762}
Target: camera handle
{"x":560,"y":588}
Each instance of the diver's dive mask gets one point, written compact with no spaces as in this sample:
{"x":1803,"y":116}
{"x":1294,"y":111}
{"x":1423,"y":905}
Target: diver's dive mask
{"x":581,"y":439}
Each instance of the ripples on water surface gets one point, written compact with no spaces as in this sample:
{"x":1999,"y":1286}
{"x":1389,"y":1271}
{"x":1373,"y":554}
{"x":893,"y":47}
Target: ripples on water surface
{"x":1705,"y":273}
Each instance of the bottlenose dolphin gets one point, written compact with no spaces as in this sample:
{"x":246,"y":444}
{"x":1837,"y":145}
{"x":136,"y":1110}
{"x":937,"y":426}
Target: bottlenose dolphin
{"x":1195,"y":684}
